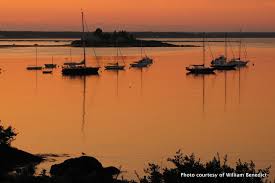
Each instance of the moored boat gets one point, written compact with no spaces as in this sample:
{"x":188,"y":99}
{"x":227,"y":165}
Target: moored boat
{"x":139,"y":64}
{"x":221,"y":62}
{"x":116,"y":65}
{"x":239,"y":61}
{"x":51,"y":65}
{"x":80,"y":68}
{"x":200,"y":68}
{"x":144,"y":60}
{"x":34,"y":67}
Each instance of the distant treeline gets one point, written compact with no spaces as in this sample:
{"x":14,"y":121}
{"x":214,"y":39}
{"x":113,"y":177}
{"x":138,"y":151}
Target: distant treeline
{"x":76,"y":35}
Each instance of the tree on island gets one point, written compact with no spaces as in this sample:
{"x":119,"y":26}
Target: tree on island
{"x":115,"y":36}
{"x":98,"y":32}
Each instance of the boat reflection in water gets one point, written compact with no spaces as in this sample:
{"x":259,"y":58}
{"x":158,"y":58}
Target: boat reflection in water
{"x":141,"y":71}
{"x":82,"y":80}
{"x":83,"y":107}
{"x":203,"y":92}
{"x":225,"y":90}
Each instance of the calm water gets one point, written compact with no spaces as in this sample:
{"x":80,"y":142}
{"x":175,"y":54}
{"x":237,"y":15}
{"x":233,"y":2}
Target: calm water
{"x":136,"y":116}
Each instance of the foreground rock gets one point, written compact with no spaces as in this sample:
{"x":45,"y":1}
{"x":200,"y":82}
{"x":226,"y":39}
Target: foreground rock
{"x":12,"y":159}
{"x":83,"y":169}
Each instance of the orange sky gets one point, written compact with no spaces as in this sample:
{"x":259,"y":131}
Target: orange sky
{"x":139,"y":15}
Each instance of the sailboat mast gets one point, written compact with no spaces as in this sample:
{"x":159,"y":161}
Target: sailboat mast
{"x":36,"y":56}
{"x":83,"y":39}
{"x":240,"y":46}
{"x":225,"y":46}
{"x":203,"y":47}
{"x":117,"y":82}
{"x":71,"y":55}
{"x":141,"y":48}
{"x":116,"y":52}
{"x":203,"y":93}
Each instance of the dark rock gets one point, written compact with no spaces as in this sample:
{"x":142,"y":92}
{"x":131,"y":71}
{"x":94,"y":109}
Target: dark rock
{"x":12,"y":158}
{"x":84,"y":169}
{"x":111,"y":171}
{"x":82,"y":166}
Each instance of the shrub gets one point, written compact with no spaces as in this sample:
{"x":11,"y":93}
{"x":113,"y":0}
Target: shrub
{"x":7,"y":135}
{"x":191,"y":165}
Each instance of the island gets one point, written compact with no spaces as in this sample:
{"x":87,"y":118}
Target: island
{"x":98,"y":38}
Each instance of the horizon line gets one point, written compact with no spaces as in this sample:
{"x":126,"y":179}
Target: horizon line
{"x":141,"y":31}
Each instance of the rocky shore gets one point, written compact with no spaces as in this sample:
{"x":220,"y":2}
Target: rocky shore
{"x":17,"y":166}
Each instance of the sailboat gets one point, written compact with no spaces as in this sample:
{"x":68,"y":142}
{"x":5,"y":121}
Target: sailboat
{"x":71,"y":63}
{"x":35,"y":67}
{"x":115,"y":66}
{"x":221,"y":63}
{"x":139,"y":64}
{"x":51,"y":65}
{"x":80,"y":68}
{"x":144,"y":60}
{"x":238,"y":61}
{"x":201,"y":68}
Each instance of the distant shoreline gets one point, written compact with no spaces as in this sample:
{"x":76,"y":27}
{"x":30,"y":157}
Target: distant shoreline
{"x":103,"y":46}
{"x":23,"y":46}
{"x":77,"y":35}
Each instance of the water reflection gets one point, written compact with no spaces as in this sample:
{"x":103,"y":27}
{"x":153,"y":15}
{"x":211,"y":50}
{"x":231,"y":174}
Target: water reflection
{"x":36,"y":81}
{"x":82,"y":80}
{"x":226,"y":93}
{"x":141,"y":72}
{"x":201,"y":77}
{"x":141,"y":81}
{"x":225,"y":90}
{"x":239,"y":85}
{"x":84,"y":107}
{"x":116,"y":73}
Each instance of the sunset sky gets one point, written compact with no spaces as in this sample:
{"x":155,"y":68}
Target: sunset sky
{"x":139,"y":15}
